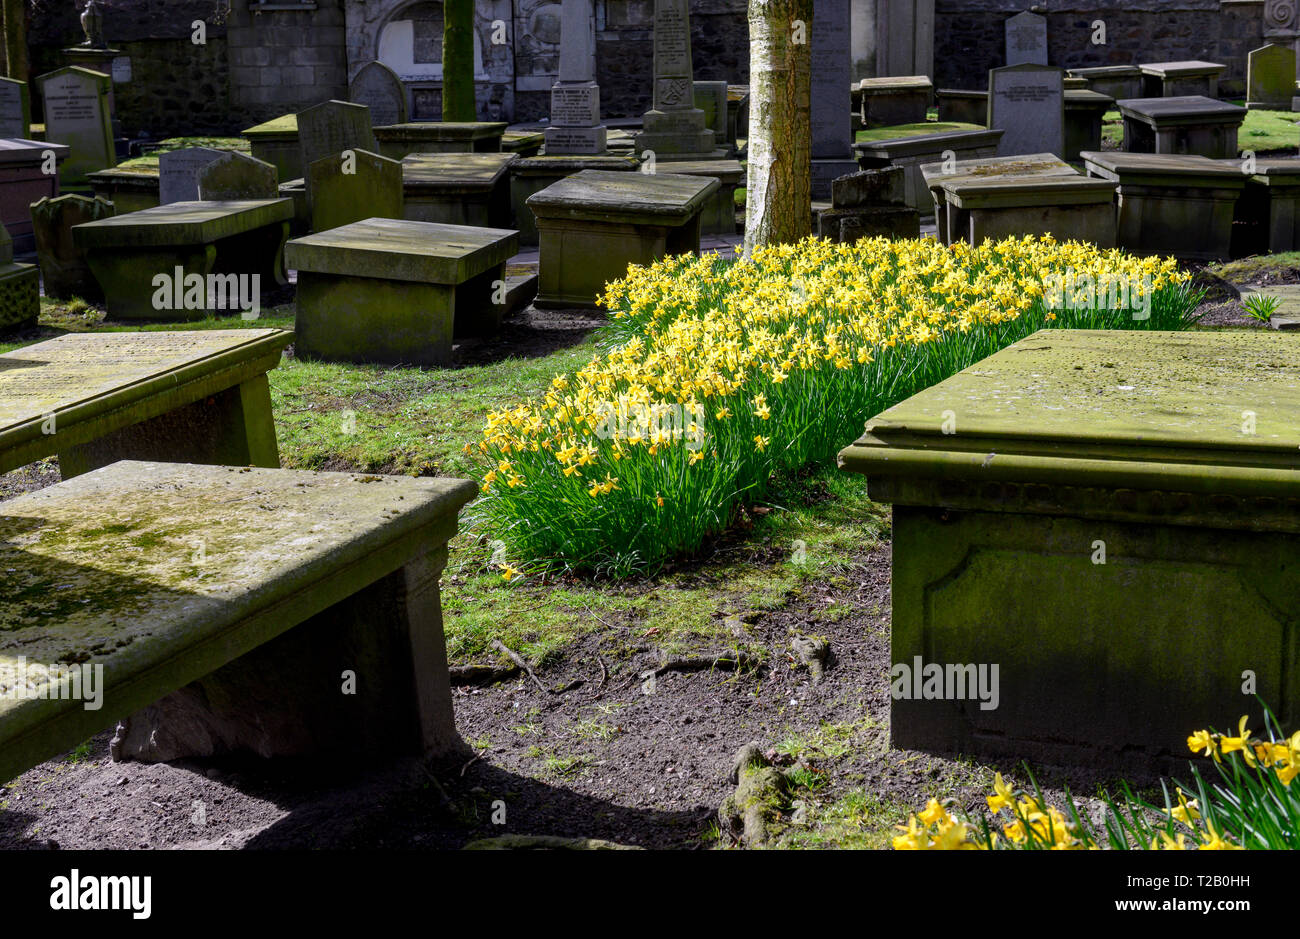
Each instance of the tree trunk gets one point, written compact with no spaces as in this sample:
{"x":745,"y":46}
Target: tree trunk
{"x":15,"y":32}
{"x":778,"y":198}
{"x":458,"y":61}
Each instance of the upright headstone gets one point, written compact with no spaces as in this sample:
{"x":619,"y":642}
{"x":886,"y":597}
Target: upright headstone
{"x":63,"y":265}
{"x":330,"y":128}
{"x":76,"y":114}
{"x":237,"y":176}
{"x":1270,"y":78}
{"x":178,"y":173}
{"x":1027,"y":103}
{"x":1027,"y":39}
{"x":831,"y":103}
{"x":892,"y":37}
{"x":711,"y":98}
{"x":575,"y":99}
{"x":378,"y":88}
{"x":15,"y":110}
{"x":351,"y":188}
{"x":674,"y":128}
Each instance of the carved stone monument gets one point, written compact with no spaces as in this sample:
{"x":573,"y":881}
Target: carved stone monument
{"x":575,"y":98}
{"x":674,"y":128}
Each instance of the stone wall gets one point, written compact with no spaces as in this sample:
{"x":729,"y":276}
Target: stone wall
{"x":969,"y":37}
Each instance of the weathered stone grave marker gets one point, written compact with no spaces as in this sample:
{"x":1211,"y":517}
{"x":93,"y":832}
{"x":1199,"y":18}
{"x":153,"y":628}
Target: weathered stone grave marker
{"x":15,"y":110}
{"x":831,"y":107}
{"x":63,"y":266}
{"x":1026,"y":39}
{"x":20,"y":299}
{"x":377,"y":87}
{"x":178,"y":172}
{"x":348,"y":189}
{"x":1270,"y":78}
{"x":76,"y":114}
{"x":236,"y":176}
{"x":28,"y":172}
{"x":575,"y":98}
{"x":674,"y":128}
{"x":1027,"y":102}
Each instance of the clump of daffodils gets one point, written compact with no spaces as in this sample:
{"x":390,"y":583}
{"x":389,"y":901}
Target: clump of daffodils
{"x":1254,"y":805}
{"x":715,"y":373}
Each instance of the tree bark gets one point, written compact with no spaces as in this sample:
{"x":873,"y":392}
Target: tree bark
{"x":15,"y":33}
{"x":458,"y":61}
{"x":778,"y":205}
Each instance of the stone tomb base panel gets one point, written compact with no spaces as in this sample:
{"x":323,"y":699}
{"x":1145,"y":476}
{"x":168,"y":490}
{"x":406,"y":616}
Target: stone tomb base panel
{"x":719,"y":215}
{"x":363,"y":319}
{"x":1097,"y":663}
{"x":1266,"y":218}
{"x":577,"y":259}
{"x":480,"y":210}
{"x":1090,"y":223}
{"x":20,"y":297}
{"x":916,"y":192}
{"x":230,"y":428}
{"x":1154,"y":86}
{"x":1216,"y":141}
{"x":1082,"y":132}
{"x":1187,"y":223}
{"x":904,"y":107}
{"x":285,"y":698}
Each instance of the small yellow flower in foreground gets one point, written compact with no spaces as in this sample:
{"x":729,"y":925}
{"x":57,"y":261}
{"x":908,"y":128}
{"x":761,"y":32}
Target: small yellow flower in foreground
{"x":914,"y":838}
{"x":1187,"y":810}
{"x":761,"y":442}
{"x":1216,"y":842}
{"x":934,"y":813}
{"x":1003,"y":796}
{"x":659,"y":500}
{"x":508,"y":573}
{"x":1201,"y":740}
{"x":1239,"y":742}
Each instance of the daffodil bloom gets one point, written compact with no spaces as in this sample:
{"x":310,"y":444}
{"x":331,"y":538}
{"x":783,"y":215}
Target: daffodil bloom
{"x":1003,"y":796}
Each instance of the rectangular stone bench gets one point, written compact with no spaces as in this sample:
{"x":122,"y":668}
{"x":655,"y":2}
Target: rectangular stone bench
{"x":593,"y":224}
{"x":1091,"y":512}
{"x":458,"y":188}
{"x":934,"y":175}
{"x":911,"y":146}
{"x":397,"y":292}
{"x":1191,"y":124}
{"x":1178,"y":205}
{"x":185,"y":396}
{"x":126,"y":252}
{"x":1070,"y":208}
{"x":223,"y":609}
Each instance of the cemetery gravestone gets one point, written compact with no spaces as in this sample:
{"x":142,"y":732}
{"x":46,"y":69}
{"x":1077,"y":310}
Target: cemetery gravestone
{"x":20,"y":299}
{"x":458,"y":188}
{"x":378,"y":88}
{"x":1027,"y":39}
{"x":711,"y":98}
{"x":28,"y":172}
{"x":1027,"y":102}
{"x":15,"y":110}
{"x":673,"y":128}
{"x":236,"y":176}
{"x":276,"y":142}
{"x":1271,"y":78}
{"x":831,"y":106}
{"x":346,"y":190}
{"x":330,"y":128}
{"x":76,"y":114}
{"x":575,"y":126}
{"x":1191,"y":124}
{"x":63,"y":266}
{"x":178,"y":172}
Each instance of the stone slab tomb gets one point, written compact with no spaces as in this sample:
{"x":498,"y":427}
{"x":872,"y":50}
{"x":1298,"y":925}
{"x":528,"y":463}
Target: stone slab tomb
{"x":276,"y":142}
{"x":130,"y":188}
{"x":1178,"y":205}
{"x":400,"y":140}
{"x":533,"y":174}
{"x":900,"y":99}
{"x":593,"y":224}
{"x":20,"y":299}
{"x":208,"y":239}
{"x":1084,"y":111}
{"x":869,"y":204}
{"x":950,"y":220}
{"x":1192,"y":124}
{"x":458,"y":188}
{"x":214,"y":635}
{"x":397,"y":292}
{"x":1075,"y":445}
{"x":1267,"y":215}
{"x":1070,"y":208}
{"x":719,"y":216}
{"x":64,"y":272}
{"x":177,"y":396}
{"x":962,"y":105}
{"x":23,"y":180}
{"x":913,"y":145}
{"x":1178,"y":79}
{"x":1117,"y":81}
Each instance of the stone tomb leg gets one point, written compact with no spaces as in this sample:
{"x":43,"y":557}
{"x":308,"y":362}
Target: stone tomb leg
{"x":232,"y":427}
{"x":388,"y":633}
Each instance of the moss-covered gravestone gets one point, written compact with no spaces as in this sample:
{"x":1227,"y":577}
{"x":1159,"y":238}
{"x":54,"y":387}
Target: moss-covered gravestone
{"x":1109,"y":519}
{"x":395,"y":291}
{"x":15,"y":110}
{"x":1270,"y":77}
{"x":178,"y":173}
{"x":276,"y":142}
{"x":20,"y":298}
{"x":236,"y":176}
{"x":353,"y":186}
{"x":63,"y":265}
